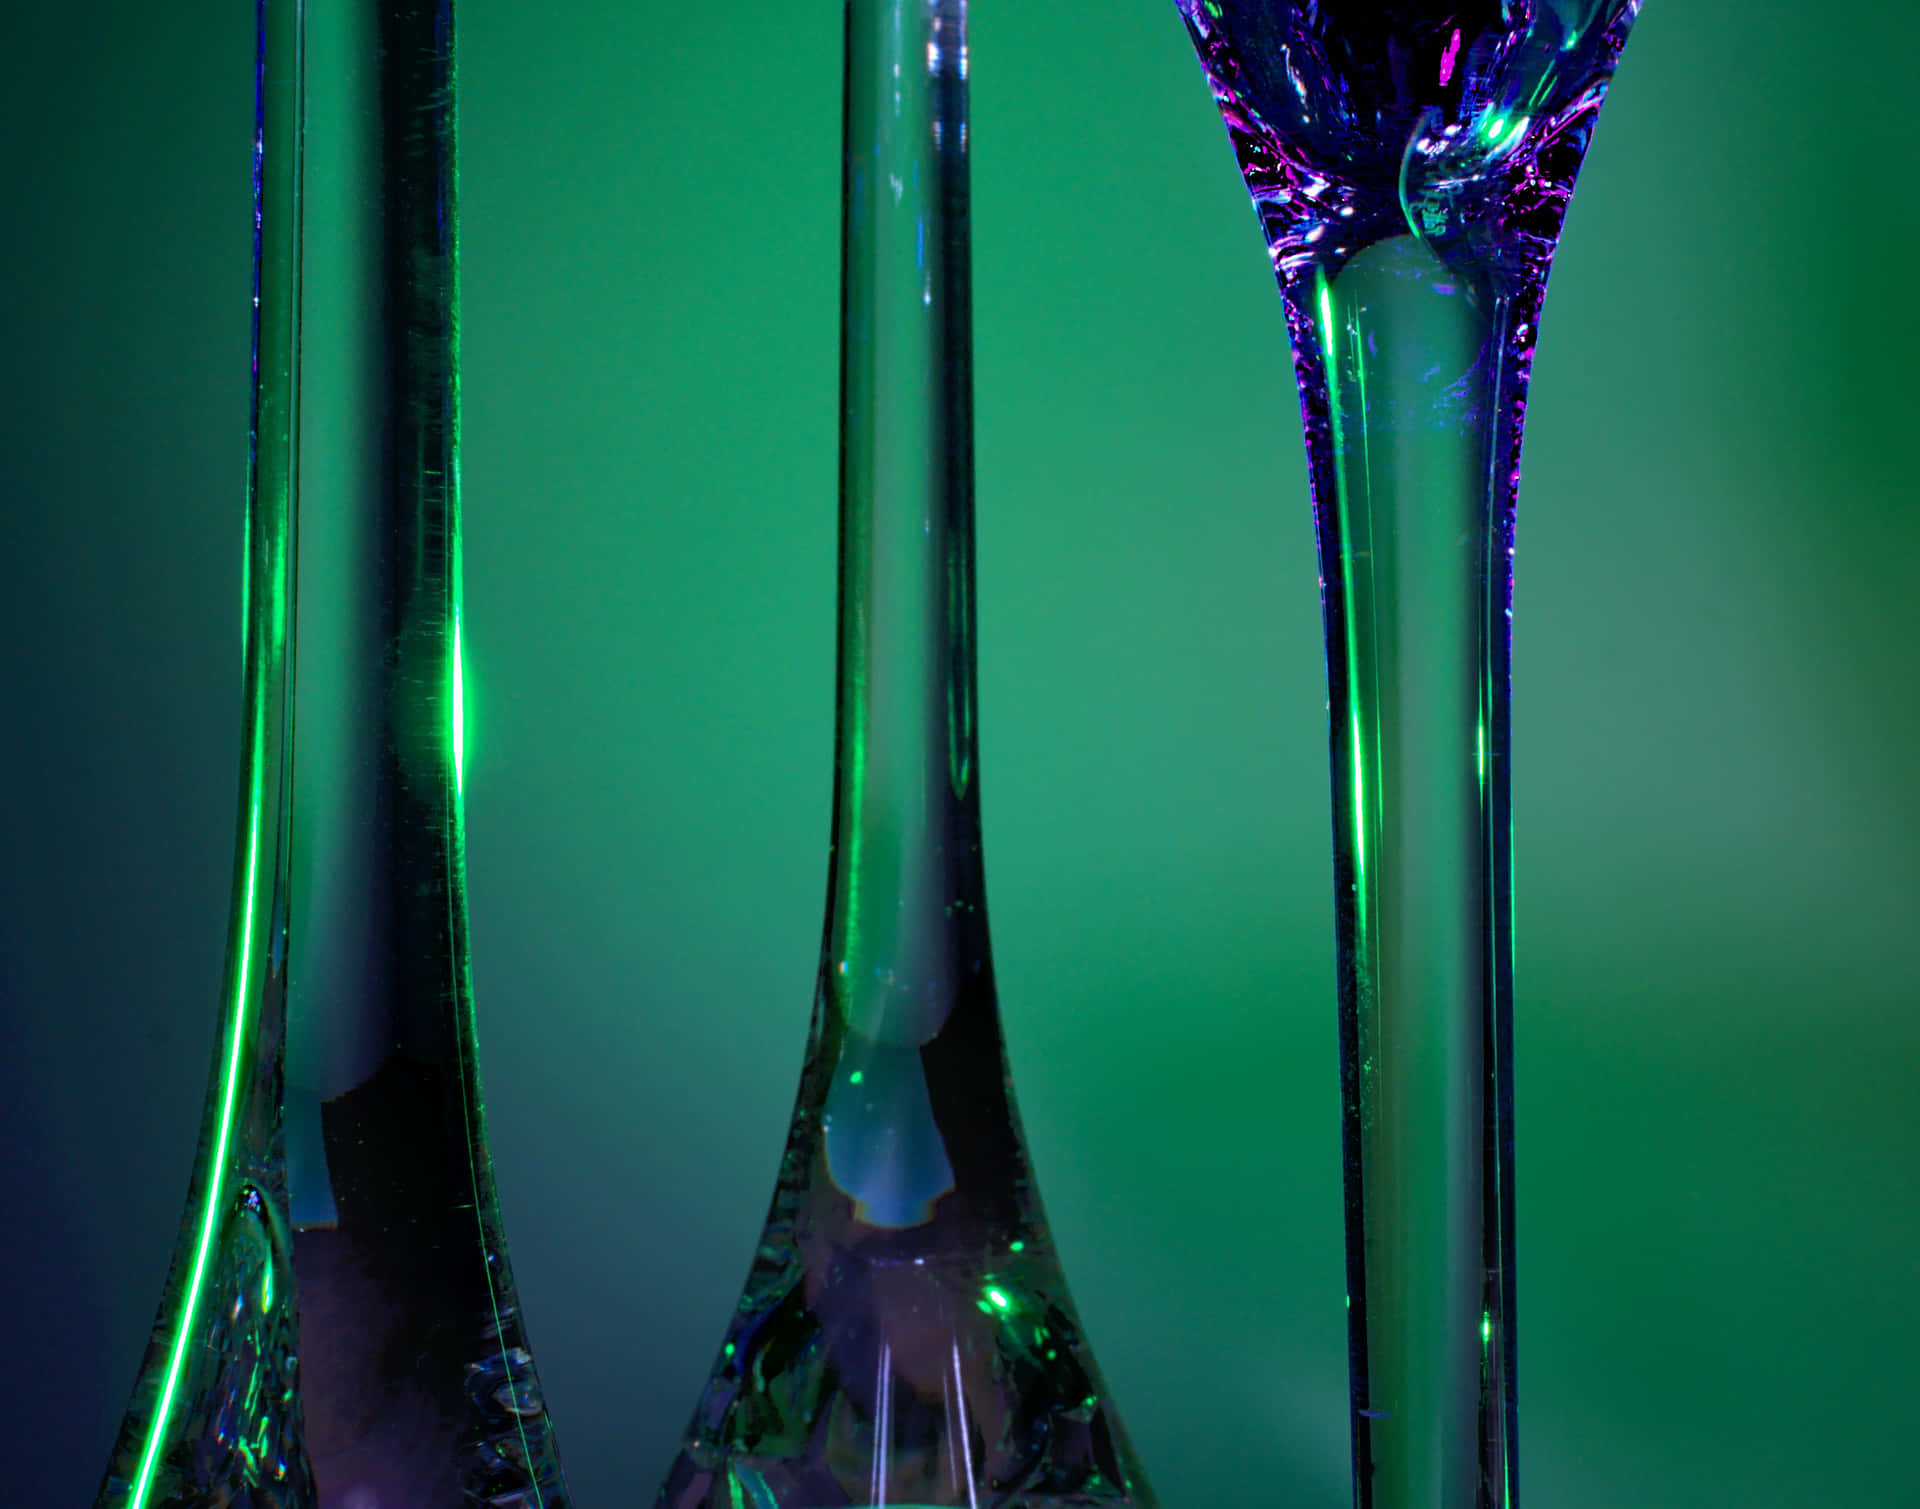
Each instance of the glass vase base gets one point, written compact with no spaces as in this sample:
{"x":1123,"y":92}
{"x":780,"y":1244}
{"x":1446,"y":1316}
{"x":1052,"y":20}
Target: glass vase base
{"x":877,"y":1367}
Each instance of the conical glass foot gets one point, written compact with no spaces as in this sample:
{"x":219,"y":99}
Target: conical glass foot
{"x":905,"y":1335}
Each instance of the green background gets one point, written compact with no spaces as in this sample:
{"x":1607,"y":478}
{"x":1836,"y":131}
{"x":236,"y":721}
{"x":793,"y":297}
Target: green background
{"x":1718,"y":848}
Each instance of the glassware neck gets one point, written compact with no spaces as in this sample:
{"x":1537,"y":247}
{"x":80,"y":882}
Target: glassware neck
{"x":906,"y":921}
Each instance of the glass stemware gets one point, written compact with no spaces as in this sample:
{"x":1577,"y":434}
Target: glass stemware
{"x":905,"y":1335}
{"x":1411,"y":163}
{"x":339,"y":1328}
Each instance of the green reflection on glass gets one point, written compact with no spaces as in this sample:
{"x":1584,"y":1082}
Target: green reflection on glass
{"x":216,"y":1182}
{"x":459,"y":711}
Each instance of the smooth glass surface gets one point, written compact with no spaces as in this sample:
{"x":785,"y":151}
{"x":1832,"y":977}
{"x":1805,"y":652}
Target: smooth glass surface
{"x":905,"y":1336}
{"x":340,"y":1328}
{"x":1411,"y":165}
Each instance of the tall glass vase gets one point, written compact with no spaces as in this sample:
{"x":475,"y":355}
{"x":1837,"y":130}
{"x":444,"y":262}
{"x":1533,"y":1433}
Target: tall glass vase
{"x":339,"y":1327}
{"x":905,"y":1336}
{"x":1411,"y":162}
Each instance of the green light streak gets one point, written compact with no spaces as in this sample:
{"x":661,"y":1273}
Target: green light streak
{"x":1359,"y":802}
{"x":999,"y":1298}
{"x":246,"y":582}
{"x":1362,"y":933}
{"x":459,"y":712}
{"x":1350,"y":571}
{"x":216,"y":1169}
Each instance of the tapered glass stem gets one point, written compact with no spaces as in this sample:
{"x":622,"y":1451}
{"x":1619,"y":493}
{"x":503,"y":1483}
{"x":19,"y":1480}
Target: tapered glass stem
{"x":905,"y":1336}
{"x":1411,"y":162}
{"x":906,"y":921}
{"x":1413,"y":386}
{"x":221,"y":1362}
{"x":340,"y":1327}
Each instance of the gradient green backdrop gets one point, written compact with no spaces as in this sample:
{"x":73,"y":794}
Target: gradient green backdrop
{"x":1716,"y":722}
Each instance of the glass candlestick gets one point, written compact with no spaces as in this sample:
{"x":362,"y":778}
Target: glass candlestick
{"x":1411,"y":163}
{"x":339,"y":1329}
{"x":905,"y":1336}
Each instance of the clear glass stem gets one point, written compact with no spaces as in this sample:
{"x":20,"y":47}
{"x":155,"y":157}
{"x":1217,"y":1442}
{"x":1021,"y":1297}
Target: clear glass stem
{"x":213,"y":1367}
{"x":906,"y":926}
{"x":1412,"y":375}
{"x":340,"y":1326}
{"x":905,"y":1336}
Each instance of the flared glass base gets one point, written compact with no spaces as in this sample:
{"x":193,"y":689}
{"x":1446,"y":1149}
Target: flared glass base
{"x":234,"y":1399}
{"x":937,"y":1364}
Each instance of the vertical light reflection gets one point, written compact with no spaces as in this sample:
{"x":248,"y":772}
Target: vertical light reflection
{"x":950,"y":1415}
{"x":246,"y":576}
{"x":1359,"y":815}
{"x":960,"y":1415}
{"x":459,"y":711}
{"x":882,"y":1425}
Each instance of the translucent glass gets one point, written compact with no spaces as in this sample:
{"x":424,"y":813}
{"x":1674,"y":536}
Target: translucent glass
{"x":905,"y":1335}
{"x":1411,"y":165}
{"x":340,"y":1327}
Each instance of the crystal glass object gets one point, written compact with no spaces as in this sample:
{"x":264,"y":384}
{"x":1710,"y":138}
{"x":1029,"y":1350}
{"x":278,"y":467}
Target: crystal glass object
{"x":1411,"y":163}
{"x":905,"y":1336}
{"x":339,"y":1327}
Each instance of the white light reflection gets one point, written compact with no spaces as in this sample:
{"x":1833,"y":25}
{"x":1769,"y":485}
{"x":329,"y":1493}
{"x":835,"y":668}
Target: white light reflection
{"x":960,"y":1415}
{"x":946,"y":1409}
{"x":882,"y":1426}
